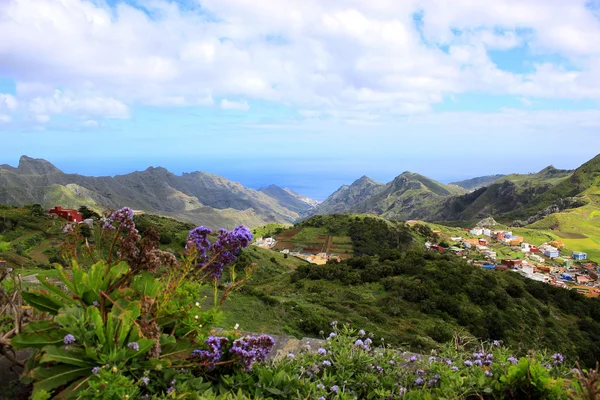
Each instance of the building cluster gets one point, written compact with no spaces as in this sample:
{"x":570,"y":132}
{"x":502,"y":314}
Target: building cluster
{"x":545,"y":263}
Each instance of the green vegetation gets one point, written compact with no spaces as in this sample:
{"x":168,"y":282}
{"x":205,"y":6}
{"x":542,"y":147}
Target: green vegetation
{"x":269,"y":230}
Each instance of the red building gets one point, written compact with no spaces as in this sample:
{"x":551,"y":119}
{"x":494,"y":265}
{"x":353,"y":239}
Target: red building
{"x":65,"y":213}
{"x":512,"y":263}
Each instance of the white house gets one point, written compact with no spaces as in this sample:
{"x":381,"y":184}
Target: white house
{"x":535,"y":257}
{"x":487,"y":232}
{"x":527,"y":269}
{"x":525,"y":247}
{"x":476,"y":231}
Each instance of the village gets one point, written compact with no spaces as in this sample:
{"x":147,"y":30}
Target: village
{"x":320,"y":258}
{"x":547,"y":262}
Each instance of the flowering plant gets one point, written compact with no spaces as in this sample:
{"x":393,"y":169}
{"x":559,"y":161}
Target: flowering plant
{"x":135,"y":313}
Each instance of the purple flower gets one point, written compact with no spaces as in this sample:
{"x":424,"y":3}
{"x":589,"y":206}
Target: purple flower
{"x":431,"y":359}
{"x":332,"y":335}
{"x":478,"y":363}
{"x":468,"y":363}
{"x":134,"y":346}
{"x":69,"y":339}
{"x":322,"y":351}
{"x":413,"y":359}
{"x":170,"y":389}
{"x":322,"y":398}
{"x":454,"y":368}
{"x":320,"y":386}
{"x":558,"y":358}
{"x":145,"y":380}
{"x":420,"y":372}
{"x":220,"y":253}
{"x":291,"y":355}
{"x":512,"y":360}
{"x":96,"y":370}
{"x":433,"y":382}
{"x":361,"y":333}
{"x":368,"y":341}
{"x":333,"y":323}
{"x":335,"y":389}
{"x":123,"y":218}
{"x":448,"y":361}
{"x":252,"y":349}
{"x":359,"y":343}
{"x":391,"y":362}
{"x":488,"y":373}
{"x":496,"y":343}
{"x":419,"y":381}
{"x":379,"y":369}
{"x":327,"y":363}
{"x":214,"y":352}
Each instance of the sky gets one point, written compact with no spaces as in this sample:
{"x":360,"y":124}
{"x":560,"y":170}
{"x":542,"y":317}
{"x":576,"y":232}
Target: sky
{"x":307,"y":94}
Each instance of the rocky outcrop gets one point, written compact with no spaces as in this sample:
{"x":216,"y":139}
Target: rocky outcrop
{"x":556,"y":207}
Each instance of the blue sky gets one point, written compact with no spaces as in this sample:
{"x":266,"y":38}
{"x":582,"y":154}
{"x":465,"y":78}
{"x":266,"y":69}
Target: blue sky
{"x":306,"y":95}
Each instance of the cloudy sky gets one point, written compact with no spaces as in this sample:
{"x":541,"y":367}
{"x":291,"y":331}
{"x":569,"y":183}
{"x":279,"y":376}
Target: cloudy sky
{"x":307,"y":94}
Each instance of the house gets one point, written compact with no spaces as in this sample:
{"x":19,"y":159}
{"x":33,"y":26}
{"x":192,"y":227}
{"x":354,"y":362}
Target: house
{"x":456,"y":238}
{"x":587,"y":291}
{"x":534,"y":249}
{"x":515,"y":241}
{"x":551,"y":253}
{"x":487,"y":232}
{"x":566,"y":277}
{"x":565,"y":262}
{"x":285,"y":251}
{"x":481,"y":248}
{"x":469,"y":243}
{"x":581,"y":279}
{"x":457,"y":250}
{"x":512,"y":263}
{"x":65,"y":213}
{"x":544,"y":268}
{"x":536,"y":258}
{"x":489,"y":266}
{"x":527,"y":269}
{"x":501,"y":268}
{"x":436,"y":232}
{"x":483,"y":242}
{"x":476,"y":231}
{"x":577,"y":255}
{"x":437,"y":248}
{"x":490,"y":253}
{"x":558,"y":244}
{"x":525,"y":247}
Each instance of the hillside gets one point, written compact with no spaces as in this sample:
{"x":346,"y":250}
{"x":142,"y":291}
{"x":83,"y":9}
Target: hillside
{"x":347,"y":197}
{"x":408,"y":196}
{"x":478,"y":182}
{"x":287,"y":198}
{"x":197,"y":197}
{"x":410,"y":297}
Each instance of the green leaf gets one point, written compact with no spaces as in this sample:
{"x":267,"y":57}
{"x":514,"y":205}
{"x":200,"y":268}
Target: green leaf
{"x":180,"y":350}
{"x":71,"y":391}
{"x":39,"y":326}
{"x":274,"y":391}
{"x":37,"y":339}
{"x":53,"y":377}
{"x":54,"y":289}
{"x":42,"y":302}
{"x":60,"y":355}
{"x":146,"y":284}
{"x":95,"y":318}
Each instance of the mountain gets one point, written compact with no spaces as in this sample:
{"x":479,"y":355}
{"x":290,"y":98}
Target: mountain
{"x":347,"y":197}
{"x":506,"y":195}
{"x":408,"y":196}
{"x":196,"y":197}
{"x":307,"y":200}
{"x":476,"y":183}
{"x":287,"y":198}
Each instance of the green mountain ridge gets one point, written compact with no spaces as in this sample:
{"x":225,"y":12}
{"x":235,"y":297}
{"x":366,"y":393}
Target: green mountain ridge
{"x":477,"y":182}
{"x":197,"y":197}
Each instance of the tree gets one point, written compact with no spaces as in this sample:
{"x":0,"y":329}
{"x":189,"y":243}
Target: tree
{"x":37,"y":210}
{"x":87,"y":213}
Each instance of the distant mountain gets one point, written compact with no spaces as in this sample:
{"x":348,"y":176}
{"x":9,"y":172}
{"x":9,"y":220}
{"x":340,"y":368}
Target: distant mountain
{"x":408,"y":196}
{"x":288,"y":199}
{"x":307,"y":200}
{"x":196,"y":197}
{"x":347,"y":197}
{"x":505,"y":195}
{"x":476,"y":183}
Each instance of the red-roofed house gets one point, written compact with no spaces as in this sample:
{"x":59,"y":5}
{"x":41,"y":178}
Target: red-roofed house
{"x":65,"y":213}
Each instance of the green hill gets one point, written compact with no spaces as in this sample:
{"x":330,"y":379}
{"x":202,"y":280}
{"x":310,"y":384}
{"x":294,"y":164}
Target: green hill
{"x":394,"y":289}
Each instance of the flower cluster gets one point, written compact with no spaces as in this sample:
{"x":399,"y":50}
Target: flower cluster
{"x":69,"y":339}
{"x":558,"y":359}
{"x":214,"y":352}
{"x":252,"y":349}
{"x":123,"y":219}
{"x":216,"y":256}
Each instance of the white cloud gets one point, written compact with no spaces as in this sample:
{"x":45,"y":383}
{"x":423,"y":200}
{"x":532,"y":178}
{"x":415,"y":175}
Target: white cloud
{"x":234,"y":105}
{"x":5,"y":118}
{"x":90,"y":124}
{"x":8,"y":102}
{"x":344,"y":58}
{"x":66,"y":103}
